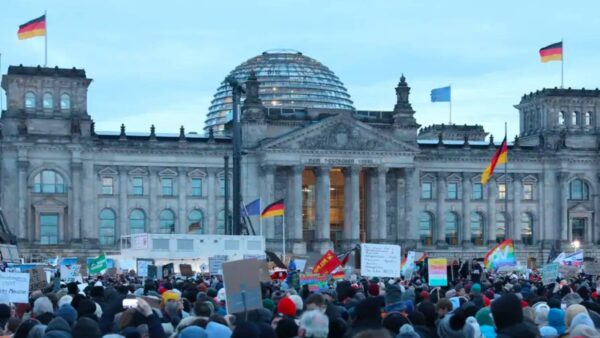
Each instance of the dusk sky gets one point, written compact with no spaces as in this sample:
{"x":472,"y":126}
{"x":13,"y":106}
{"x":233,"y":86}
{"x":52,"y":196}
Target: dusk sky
{"x":157,"y":62}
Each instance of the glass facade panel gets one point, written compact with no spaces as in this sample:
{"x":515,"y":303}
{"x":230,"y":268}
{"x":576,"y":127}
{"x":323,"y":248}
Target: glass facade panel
{"x":578,"y":190}
{"x":527,"y":191}
{"x":527,"y":228}
{"x":196,"y":222}
{"x":426,"y":190}
{"x":578,"y":229}
{"x":196,"y":187}
{"x":167,"y":187}
{"x":426,"y":228}
{"x":500,"y":227}
{"x":137,"y":186}
{"x":476,"y":228}
{"x":137,"y":222}
{"x":108,"y":223}
{"x":47,"y":101}
{"x":29,"y":100}
{"x":452,"y":192}
{"x":501,"y":191}
{"x":65,"y":102}
{"x":451,"y":228}
{"x":221,"y":223}
{"x":48,"y":182}
{"x":167,"y":221}
{"x":107,"y":185}
{"x":477,"y":191}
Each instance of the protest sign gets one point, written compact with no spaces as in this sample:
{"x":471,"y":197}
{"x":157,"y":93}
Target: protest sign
{"x":70,"y":272}
{"x":215,"y":264}
{"x":168,"y":270}
{"x":263,"y":271}
{"x":438,"y":275}
{"x":37,"y":279}
{"x":186,"y":270}
{"x":380,"y":260}
{"x":142,"y":266}
{"x":111,"y":272}
{"x":592,"y":268}
{"x":550,"y":273}
{"x":242,"y":287}
{"x":568,"y":271}
{"x":314,"y":281}
{"x":97,"y":265}
{"x":300,"y":264}
{"x":14,"y":287}
{"x":153,"y":272}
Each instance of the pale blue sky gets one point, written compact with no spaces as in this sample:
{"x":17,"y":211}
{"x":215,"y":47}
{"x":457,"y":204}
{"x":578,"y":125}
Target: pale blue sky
{"x":161,"y":62}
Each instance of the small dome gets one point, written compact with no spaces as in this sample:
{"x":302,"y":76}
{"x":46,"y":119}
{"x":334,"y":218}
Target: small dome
{"x":288,"y":79}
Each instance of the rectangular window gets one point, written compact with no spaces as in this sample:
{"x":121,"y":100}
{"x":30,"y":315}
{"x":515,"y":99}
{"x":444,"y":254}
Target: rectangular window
{"x":196,"y":187}
{"x":501,"y":191}
{"x":527,"y":191}
{"x":222,"y":186}
{"x":452,"y":192}
{"x":477,"y":193}
{"x":426,"y":190}
{"x":167,"y":187}
{"x":49,"y":229}
{"x":107,"y":185}
{"x":137,"y":186}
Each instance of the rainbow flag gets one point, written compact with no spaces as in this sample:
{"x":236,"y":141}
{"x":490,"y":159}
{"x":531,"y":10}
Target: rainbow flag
{"x":502,"y":254}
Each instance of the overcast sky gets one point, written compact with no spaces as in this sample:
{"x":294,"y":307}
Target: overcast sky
{"x":160,"y":62}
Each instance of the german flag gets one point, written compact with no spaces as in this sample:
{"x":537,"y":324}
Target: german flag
{"x":500,"y":157}
{"x":553,"y":52}
{"x":273,"y":209}
{"x":33,"y":28}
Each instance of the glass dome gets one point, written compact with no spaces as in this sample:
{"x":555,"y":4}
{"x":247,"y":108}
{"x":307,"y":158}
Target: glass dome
{"x":287,"y":79}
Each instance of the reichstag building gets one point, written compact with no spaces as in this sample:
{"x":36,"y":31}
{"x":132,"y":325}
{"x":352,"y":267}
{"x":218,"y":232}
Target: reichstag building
{"x":346,"y":175}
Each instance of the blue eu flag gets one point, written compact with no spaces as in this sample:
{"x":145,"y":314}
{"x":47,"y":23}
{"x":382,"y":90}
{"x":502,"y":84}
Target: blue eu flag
{"x":252,"y":208}
{"x":440,"y":94}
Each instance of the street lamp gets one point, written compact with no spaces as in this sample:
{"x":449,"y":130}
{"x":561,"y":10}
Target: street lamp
{"x":236,"y":92}
{"x":575,"y":245}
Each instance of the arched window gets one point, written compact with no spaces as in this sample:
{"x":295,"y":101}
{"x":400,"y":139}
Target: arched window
{"x":48,"y":182}
{"x":425,"y":228}
{"x":29,"y":100}
{"x":561,"y":118}
{"x":527,"y":228}
{"x":500,"y":227}
{"x":137,"y":222}
{"x":167,"y":221}
{"x":588,"y":118}
{"x":574,"y":118}
{"x":196,"y":222}
{"x":65,"y":102}
{"x":451,"y":228}
{"x":47,"y":101}
{"x":108,"y":222}
{"x":476,"y":228}
{"x":578,"y":190}
{"x":221,"y":223}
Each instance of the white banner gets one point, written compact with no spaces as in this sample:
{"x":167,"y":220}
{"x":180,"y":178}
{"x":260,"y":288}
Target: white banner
{"x":14,"y":287}
{"x":380,"y":260}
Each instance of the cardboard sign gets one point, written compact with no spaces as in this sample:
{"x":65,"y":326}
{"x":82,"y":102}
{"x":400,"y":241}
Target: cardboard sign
{"x":242,"y":287}
{"x":215,"y":264}
{"x":314,"y":281}
{"x":592,"y":268}
{"x":550,"y":273}
{"x":380,"y":260}
{"x":69,"y":273}
{"x":168,"y":270}
{"x":438,"y":275}
{"x":263,"y":271}
{"x":14,"y":287}
{"x":186,"y":270}
{"x":300,"y":264}
{"x":37,"y":279}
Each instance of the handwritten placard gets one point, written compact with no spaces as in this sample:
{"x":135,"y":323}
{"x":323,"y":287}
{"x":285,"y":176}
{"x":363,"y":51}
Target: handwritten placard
{"x":549,"y":273}
{"x":592,"y":268}
{"x":380,"y":260}
{"x":568,"y":271}
{"x":14,"y":287}
{"x":438,"y":275}
{"x":37,"y":279}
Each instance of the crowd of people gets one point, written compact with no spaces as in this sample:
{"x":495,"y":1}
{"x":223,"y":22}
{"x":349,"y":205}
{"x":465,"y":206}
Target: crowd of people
{"x":472,"y":307}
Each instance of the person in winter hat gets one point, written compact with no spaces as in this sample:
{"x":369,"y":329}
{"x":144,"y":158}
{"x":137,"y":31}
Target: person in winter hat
{"x":585,"y":331}
{"x":287,"y":307}
{"x":407,"y":331}
{"x":556,"y":319}
{"x":454,"y":325}
{"x":581,"y":318}
{"x":508,"y":317}
{"x":58,"y":328}
{"x":486,"y":324}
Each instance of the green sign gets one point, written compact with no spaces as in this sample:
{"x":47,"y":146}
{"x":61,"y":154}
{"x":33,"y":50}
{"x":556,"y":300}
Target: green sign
{"x":98,"y":264}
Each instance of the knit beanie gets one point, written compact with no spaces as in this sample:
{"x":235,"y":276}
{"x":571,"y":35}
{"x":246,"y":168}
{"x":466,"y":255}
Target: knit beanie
{"x":548,"y":332}
{"x":507,"y":311}
{"x":298,"y":302}
{"x":581,"y":319}
{"x":193,"y":332}
{"x":585,"y":331}
{"x":476,"y":289}
{"x":392,"y":294}
{"x":572,"y":311}
{"x":269,"y":305}
{"x":286,"y":328}
{"x":407,"y":331}
{"x":373,"y":289}
{"x":287,"y":307}
{"x":454,"y":325}
{"x":68,"y":313}
{"x":86,"y":328}
{"x":394,"y":321}
{"x":483,"y":317}
{"x":556,"y":319}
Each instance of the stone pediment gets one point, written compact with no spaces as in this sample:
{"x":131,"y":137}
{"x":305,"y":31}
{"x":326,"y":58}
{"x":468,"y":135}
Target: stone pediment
{"x":167,"y":173}
{"x":108,"y":171}
{"x":580,"y":208}
{"x":49,"y":202}
{"x":339,"y":133}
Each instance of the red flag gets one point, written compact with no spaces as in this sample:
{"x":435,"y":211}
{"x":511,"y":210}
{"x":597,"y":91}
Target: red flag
{"x":327,"y":263}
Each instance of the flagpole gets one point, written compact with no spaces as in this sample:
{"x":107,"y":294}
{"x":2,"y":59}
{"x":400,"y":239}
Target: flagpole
{"x":450,"y":102}
{"x":260,"y":218}
{"x":562,"y":65}
{"x":1,"y":94}
{"x":506,"y":232}
{"x":283,"y":236}
{"x":46,"y":41}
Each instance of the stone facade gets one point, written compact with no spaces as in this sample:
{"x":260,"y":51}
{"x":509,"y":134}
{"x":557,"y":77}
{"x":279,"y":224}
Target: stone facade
{"x":68,"y":189}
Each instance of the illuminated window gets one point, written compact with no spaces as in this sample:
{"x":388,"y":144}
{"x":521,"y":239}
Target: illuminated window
{"x":65,"y":102}
{"x":47,"y":101}
{"x":501,"y":191}
{"x":451,"y":228}
{"x":107,"y":185}
{"x":426,"y":228}
{"x":527,"y":228}
{"x":29,"y":100}
{"x":476,"y":228}
{"x":527,"y":191}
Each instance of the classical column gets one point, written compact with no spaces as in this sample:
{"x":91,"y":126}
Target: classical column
{"x":294,"y":218}
{"x":563,"y":206}
{"x":440,"y":208}
{"x":491,"y":215}
{"x":75,"y":212}
{"x":23,"y":229}
{"x":412,"y":205}
{"x":123,"y":197}
{"x":372,"y":205}
{"x":211,"y":204}
{"x":181,"y":218}
{"x":153,"y":193}
{"x":516,"y":225}
{"x":382,"y":203}
{"x":351,"y":232}
{"x":400,"y":210}
{"x":268,"y":197}
{"x":89,"y":217}
{"x":466,"y":211}
{"x":323,"y":207}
